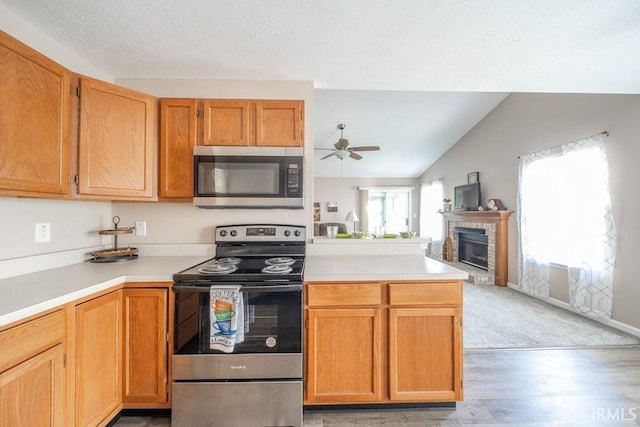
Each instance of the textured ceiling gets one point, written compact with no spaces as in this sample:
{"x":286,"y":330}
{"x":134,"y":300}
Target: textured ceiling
{"x":431,"y":46}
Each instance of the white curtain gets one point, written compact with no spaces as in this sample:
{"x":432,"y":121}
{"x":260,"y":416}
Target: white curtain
{"x":564,"y":217}
{"x":431,"y":195}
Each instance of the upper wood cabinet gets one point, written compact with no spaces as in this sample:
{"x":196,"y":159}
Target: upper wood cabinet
{"x":279,"y":123}
{"x":35,"y":121}
{"x":178,"y":136}
{"x":225,"y":122}
{"x":116,"y":141}
{"x":268,"y":123}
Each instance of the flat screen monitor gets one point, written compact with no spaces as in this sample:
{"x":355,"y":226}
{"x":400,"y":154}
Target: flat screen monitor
{"x":467,"y":197}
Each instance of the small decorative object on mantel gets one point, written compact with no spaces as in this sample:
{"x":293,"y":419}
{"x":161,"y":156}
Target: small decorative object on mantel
{"x":473,"y":177}
{"x":495,"y":205}
{"x":446,"y":204}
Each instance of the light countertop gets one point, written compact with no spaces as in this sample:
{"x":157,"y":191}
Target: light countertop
{"x":322,"y":240}
{"x":320,"y":268}
{"x":29,"y":294}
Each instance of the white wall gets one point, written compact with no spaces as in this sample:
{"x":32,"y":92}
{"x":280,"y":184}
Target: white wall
{"x":74,"y":225}
{"x":525,"y":123}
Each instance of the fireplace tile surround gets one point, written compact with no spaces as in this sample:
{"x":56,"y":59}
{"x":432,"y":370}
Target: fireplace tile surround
{"x":496,"y":226}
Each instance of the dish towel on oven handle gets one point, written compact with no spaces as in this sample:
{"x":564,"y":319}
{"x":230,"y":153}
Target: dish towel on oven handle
{"x":226,"y":318}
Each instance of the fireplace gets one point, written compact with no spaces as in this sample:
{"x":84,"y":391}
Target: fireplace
{"x":492,"y":238}
{"x":473,"y":246}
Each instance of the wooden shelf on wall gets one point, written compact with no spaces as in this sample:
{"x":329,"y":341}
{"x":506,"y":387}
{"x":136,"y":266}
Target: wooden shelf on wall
{"x":501,"y":219}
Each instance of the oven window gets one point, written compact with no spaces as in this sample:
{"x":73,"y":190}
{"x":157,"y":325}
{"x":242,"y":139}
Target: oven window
{"x":239,"y":178}
{"x":272,"y":323}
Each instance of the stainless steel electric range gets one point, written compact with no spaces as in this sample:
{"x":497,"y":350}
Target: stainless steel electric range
{"x":238,"y":331}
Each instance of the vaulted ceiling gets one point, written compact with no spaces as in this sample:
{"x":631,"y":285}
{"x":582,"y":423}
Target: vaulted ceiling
{"x":412,"y":76}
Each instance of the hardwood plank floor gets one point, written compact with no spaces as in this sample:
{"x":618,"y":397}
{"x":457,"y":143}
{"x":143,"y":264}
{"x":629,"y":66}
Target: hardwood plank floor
{"x":539,"y":387}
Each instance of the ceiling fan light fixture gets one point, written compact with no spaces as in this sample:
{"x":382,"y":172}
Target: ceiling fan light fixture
{"x":341,"y":154}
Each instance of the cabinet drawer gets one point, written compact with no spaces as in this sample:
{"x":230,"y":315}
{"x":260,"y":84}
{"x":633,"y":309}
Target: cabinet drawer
{"x":30,"y":338}
{"x":344,"y":294}
{"x":449,"y":293}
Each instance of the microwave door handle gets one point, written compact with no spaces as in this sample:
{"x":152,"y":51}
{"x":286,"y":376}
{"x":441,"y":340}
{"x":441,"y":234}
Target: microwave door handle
{"x":273,"y":288}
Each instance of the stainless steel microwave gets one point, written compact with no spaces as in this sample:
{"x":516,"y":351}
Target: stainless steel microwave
{"x":248,"y":177}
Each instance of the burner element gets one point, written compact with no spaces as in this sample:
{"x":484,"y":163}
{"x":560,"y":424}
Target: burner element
{"x":218,"y":268}
{"x":280,"y":261}
{"x":277,"y":269}
{"x":229,"y":260}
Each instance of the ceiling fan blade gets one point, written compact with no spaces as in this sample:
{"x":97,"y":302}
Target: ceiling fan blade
{"x":365,"y":148}
{"x":355,"y":156}
{"x":341,"y":144}
{"x":328,"y":155}
{"x":325,"y":149}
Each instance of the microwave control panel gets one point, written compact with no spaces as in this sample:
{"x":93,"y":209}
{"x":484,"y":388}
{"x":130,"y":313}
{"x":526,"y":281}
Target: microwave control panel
{"x":294,"y":180}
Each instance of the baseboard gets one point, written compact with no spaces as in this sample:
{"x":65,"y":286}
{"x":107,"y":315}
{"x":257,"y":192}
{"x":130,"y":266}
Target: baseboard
{"x":561,"y":304}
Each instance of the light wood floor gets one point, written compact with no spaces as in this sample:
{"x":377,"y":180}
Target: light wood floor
{"x":541,"y":387}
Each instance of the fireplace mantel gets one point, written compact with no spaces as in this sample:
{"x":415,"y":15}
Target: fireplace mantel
{"x":501,"y":221}
{"x":477,"y":216}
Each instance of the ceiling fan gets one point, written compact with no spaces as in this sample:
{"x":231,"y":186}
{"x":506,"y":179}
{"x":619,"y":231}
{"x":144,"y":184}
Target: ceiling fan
{"x":343,"y":150}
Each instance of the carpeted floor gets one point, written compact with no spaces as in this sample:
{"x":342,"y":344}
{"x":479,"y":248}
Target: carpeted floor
{"x":496,"y":317}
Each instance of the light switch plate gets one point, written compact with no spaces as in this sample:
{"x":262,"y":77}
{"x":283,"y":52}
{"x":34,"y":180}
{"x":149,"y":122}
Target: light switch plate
{"x":43,"y":232}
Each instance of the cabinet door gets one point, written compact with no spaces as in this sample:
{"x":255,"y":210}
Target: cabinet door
{"x":344,"y":348}
{"x":116,"y":143}
{"x":279,"y":123}
{"x":425,"y":354}
{"x":98,"y":358}
{"x":35,"y":120}
{"x":145,"y":346}
{"x":32,"y":393}
{"x":178,"y":136}
{"x":226,"y":122}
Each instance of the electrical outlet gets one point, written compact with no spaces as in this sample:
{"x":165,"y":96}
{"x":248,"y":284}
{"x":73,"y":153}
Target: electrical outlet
{"x":43,"y":232}
{"x":141,"y":228}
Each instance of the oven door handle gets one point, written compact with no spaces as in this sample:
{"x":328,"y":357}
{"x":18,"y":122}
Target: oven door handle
{"x":269,"y":288}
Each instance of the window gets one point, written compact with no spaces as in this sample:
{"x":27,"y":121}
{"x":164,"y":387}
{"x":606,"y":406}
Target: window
{"x":388,"y":210}
{"x":562,"y":197}
{"x":564,"y":216}
{"x":430,"y":201}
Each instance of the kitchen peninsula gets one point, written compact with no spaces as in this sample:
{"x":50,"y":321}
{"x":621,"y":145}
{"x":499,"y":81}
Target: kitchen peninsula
{"x":367,"y":246}
{"x":382,"y":329}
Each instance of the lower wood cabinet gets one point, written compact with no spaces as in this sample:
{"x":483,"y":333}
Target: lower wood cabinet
{"x":81,"y":364}
{"x":383,"y":342}
{"x":32,"y":373}
{"x":344,"y":354}
{"x":425,"y":348}
{"x":98,"y":358}
{"x":145,"y":361}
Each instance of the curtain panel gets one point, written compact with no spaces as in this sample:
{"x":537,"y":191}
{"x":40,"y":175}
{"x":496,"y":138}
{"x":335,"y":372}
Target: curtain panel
{"x":564,"y":217}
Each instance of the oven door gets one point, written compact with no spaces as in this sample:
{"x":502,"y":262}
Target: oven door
{"x":272,"y":319}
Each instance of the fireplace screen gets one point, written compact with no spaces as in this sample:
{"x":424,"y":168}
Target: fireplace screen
{"x":473,"y":247}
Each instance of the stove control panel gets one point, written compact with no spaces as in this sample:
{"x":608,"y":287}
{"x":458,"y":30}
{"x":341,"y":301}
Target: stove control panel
{"x":258,"y":233}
